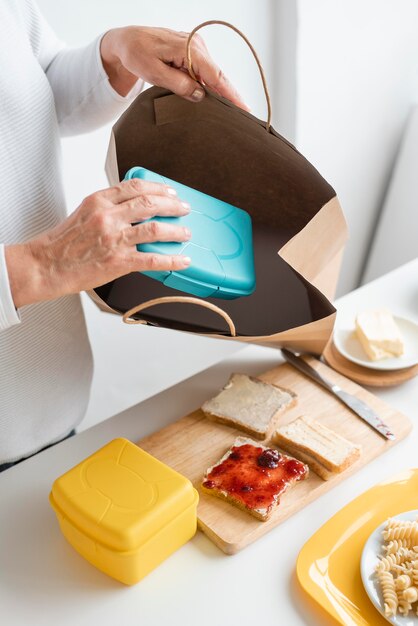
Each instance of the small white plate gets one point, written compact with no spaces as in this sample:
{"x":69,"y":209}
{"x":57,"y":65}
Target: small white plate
{"x":348,"y":345}
{"x":372,"y":549}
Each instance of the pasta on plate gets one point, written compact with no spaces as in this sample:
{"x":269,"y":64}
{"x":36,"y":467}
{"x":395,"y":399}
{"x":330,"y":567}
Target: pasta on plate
{"x":397,"y":569}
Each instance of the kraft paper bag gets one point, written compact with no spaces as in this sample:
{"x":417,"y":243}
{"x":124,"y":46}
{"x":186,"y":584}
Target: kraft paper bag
{"x":299,"y":230}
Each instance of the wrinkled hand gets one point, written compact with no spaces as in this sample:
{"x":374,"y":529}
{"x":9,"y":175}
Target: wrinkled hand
{"x":158,"y":55}
{"x":97,"y":242}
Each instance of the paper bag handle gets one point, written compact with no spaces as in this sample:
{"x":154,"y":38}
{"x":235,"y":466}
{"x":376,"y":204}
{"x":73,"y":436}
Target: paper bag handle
{"x":241,"y":34}
{"x":127,"y":317}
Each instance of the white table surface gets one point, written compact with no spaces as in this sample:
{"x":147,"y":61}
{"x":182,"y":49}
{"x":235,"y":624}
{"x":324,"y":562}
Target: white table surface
{"x":44,"y":581}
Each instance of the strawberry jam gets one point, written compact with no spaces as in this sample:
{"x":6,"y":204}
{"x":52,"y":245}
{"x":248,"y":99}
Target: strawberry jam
{"x":255,"y":476}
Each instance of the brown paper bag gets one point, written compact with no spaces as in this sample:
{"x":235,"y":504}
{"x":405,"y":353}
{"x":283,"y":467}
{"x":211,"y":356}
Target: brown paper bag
{"x":299,"y":230}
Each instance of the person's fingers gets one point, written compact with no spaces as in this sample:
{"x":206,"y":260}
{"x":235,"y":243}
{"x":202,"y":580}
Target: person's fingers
{"x":134,"y":187}
{"x":146,"y":262}
{"x":143,"y":207}
{"x":180,"y":83}
{"x":212,"y":76}
{"x":156,"y":231}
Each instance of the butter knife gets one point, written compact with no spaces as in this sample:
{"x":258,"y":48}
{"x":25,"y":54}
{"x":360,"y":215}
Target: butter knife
{"x":359,"y":407}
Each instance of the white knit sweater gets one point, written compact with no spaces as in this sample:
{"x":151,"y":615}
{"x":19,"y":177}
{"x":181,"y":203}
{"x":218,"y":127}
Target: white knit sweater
{"x":45,"y":90}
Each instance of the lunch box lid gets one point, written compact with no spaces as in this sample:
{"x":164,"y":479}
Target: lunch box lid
{"x":221,"y":246}
{"x":121,"y":495}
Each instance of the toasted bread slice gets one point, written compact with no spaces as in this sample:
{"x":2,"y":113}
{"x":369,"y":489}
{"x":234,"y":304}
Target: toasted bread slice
{"x":325,"y":451}
{"x":252,"y":477}
{"x":249,"y":404}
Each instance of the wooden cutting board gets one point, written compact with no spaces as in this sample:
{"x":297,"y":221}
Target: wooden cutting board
{"x":194,"y":443}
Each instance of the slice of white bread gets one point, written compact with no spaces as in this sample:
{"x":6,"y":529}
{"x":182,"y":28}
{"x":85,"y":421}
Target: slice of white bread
{"x":324,"y":450}
{"x":249,"y":404}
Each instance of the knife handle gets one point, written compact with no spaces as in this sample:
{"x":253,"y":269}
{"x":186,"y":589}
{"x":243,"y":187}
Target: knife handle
{"x":301,"y":365}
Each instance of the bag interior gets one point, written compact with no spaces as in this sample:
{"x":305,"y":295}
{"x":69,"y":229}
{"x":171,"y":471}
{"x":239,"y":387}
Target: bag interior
{"x":219,"y":149}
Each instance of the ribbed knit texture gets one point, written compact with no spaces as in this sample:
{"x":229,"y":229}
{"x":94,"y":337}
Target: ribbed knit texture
{"x":45,"y":357}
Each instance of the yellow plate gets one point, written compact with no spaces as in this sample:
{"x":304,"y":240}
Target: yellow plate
{"x":328,"y":566}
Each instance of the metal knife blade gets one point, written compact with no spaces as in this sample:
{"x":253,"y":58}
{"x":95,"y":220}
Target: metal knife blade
{"x":356,"y":405}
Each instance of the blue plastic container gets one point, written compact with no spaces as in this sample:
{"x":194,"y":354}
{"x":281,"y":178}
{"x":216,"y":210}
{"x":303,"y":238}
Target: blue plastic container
{"x":221,"y":247}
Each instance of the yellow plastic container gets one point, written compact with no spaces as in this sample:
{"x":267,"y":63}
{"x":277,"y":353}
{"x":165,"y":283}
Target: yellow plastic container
{"x":124,"y":511}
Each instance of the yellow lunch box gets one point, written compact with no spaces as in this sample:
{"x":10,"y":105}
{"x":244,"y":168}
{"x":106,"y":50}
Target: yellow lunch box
{"x":124,"y":511}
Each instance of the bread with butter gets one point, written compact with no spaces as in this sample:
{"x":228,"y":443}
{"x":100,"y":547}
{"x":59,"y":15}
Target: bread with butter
{"x":249,"y":404}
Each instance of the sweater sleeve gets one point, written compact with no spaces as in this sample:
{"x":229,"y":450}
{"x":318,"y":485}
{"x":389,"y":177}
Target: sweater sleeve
{"x":8,"y":313}
{"x":84,"y":97}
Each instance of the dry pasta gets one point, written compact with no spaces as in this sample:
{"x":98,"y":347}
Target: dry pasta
{"x":414,"y":565}
{"x":390,"y":597}
{"x":410,"y":594}
{"x":395,"y":545}
{"x":405,"y":531}
{"x":403,"y":582}
{"x":397,"y":569}
{"x":387,"y":563}
{"x":403,"y":605}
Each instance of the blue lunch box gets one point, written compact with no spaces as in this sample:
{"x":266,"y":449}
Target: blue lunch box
{"x":221,"y":246}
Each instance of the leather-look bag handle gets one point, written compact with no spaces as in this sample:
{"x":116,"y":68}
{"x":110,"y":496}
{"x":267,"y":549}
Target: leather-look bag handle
{"x":127,"y":317}
{"x":260,"y":67}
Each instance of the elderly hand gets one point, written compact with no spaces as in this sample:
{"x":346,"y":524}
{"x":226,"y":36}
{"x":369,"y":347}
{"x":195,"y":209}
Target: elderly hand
{"x":96,"y":244}
{"x":158,"y":55}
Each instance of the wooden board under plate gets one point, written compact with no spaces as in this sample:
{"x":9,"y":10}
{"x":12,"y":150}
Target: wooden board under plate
{"x":194,"y":443}
{"x":366,"y":375}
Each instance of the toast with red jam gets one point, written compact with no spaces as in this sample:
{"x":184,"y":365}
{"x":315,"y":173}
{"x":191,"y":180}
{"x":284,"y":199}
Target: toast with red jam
{"x":253,"y":477}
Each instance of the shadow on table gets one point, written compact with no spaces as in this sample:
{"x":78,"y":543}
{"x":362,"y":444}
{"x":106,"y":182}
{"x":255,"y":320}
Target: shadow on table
{"x":37,"y":558}
{"x":38,"y":562}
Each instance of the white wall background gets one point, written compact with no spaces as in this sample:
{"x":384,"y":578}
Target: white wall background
{"x":357,"y":79}
{"x":396,"y":238}
{"x":343,"y":76}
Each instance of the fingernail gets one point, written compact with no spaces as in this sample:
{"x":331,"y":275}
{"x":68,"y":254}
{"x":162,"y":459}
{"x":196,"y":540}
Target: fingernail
{"x":186,"y":205}
{"x":171,"y":191}
{"x":186,"y":261}
{"x":187,"y":233}
{"x":198,"y":95}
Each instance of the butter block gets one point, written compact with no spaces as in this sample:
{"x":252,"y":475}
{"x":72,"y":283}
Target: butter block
{"x":379,"y":335}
